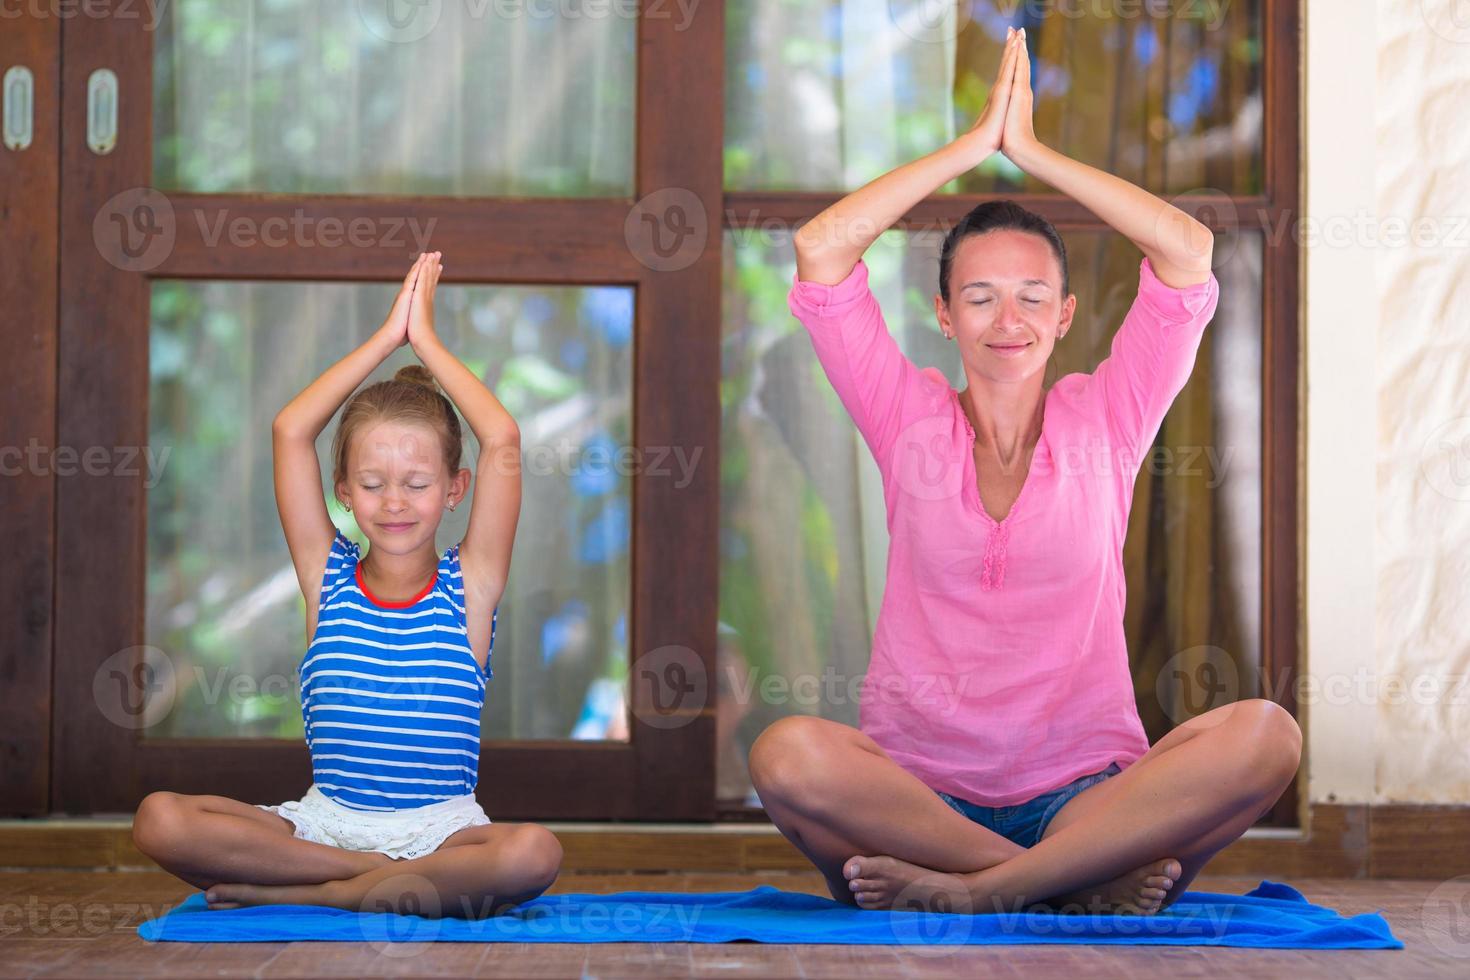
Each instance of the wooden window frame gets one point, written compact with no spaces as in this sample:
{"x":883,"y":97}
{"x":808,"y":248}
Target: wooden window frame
{"x":100,"y":543}
{"x":82,"y":540}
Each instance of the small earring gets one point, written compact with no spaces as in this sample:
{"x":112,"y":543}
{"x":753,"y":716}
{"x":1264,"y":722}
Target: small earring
{"x":451,"y":507}
{"x":347,"y":508}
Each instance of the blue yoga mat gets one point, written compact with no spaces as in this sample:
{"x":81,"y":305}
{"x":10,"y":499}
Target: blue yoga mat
{"x":1273,"y":916}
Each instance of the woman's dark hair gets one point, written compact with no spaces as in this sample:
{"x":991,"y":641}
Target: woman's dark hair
{"x":412,"y":397}
{"x":994,"y":216}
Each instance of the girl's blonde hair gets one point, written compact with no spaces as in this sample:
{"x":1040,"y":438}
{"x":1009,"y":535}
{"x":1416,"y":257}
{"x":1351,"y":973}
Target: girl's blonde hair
{"x":412,"y":397}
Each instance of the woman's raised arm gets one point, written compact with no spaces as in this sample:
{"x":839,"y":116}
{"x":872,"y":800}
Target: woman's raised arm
{"x":829,"y":245}
{"x":1177,"y":246}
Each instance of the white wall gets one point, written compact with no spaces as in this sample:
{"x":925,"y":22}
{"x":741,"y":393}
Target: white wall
{"x":1387,"y":158}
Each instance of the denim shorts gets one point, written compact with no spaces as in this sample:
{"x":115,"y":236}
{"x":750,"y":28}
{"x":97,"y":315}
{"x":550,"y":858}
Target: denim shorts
{"x":1024,"y":823}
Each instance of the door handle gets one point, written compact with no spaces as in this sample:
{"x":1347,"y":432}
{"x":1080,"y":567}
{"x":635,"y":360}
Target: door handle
{"x":18,"y":107}
{"x":102,"y":111}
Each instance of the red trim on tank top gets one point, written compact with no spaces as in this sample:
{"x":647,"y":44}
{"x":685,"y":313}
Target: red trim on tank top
{"x":357,"y":572}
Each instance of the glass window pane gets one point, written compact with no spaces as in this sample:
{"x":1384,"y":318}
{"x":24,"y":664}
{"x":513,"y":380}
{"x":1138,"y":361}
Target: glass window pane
{"x":803,"y":534}
{"x":445,"y":98}
{"x":829,"y":95}
{"x":222,"y":598}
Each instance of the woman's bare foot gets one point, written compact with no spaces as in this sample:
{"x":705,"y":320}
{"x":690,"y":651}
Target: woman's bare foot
{"x":883,"y":882}
{"x":1139,"y":892}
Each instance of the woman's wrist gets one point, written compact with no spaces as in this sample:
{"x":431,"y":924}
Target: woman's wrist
{"x":1024,"y":153}
{"x":971,"y":149}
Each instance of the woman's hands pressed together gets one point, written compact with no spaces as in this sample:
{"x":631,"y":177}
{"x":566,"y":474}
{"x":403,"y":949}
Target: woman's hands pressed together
{"x":830,"y":244}
{"x":989,"y":128}
{"x":1019,"y":134}
{"x":1006,"y":118}
{"x":1179,"y":248}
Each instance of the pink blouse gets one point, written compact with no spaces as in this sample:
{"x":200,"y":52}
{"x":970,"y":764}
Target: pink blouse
{"x":999,"y":669}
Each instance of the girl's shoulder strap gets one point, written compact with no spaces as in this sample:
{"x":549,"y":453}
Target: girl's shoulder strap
{"x":341,"y":565}
{"x":451,"y":577}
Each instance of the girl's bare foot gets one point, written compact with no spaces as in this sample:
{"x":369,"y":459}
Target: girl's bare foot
{"x":883,"y":882}
{"x":234,"y":896}
{"x":231,"y":895}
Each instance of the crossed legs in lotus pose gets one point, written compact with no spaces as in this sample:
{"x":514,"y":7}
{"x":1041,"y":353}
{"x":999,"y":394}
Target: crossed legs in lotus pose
{"x":243,"y":855}
{"x":1129,"y":844}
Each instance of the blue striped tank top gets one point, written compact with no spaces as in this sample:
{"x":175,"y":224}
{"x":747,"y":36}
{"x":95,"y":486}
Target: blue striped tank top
{"x":390,"y":692}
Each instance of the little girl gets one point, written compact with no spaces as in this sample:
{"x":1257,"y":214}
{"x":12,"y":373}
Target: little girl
{"x":393,"y":681}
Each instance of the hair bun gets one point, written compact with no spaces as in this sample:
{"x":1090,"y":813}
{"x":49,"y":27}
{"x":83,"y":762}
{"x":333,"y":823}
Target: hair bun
{"x":416,"y":374}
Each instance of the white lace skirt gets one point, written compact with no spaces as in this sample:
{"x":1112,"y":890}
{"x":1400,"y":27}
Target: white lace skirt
{"x":396,"y":833}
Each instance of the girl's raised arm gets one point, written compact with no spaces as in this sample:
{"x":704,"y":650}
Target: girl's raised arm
{"x":298,"y":475}
{"x":829,"y":245}
{"x":485,"y":551}
{"x":1177,"y":246}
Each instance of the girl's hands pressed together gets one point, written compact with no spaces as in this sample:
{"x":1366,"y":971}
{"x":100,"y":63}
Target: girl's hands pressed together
{"x":396,"y":326}
{"x":421,"y":314}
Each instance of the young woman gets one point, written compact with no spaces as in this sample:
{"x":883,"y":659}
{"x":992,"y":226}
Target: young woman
{"x":394,"y":677}
{"x":1001,"y":759}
